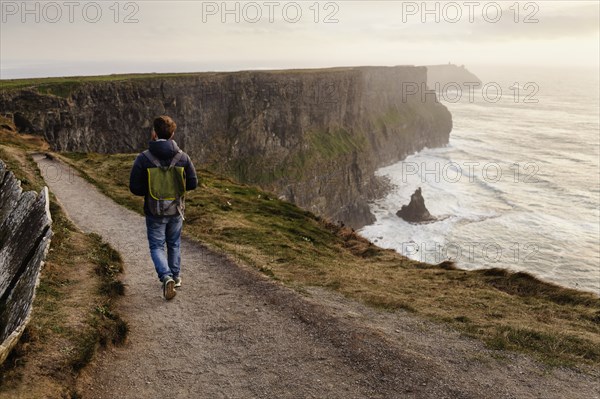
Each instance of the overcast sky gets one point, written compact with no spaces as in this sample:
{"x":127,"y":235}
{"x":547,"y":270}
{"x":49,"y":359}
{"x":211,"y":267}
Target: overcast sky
{"x":86,"y":38}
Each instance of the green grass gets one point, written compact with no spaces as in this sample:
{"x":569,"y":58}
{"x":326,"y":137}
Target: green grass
{"x":64,"y":85}
{"x":392,"y":117}
{"x":510,"y":337}
{"x":335,"y":143}
{"x":320,"y":149}
{"x":509,"y":311}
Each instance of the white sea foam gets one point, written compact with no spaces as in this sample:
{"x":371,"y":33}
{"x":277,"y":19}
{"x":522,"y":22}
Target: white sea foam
{"x":540,"y":214}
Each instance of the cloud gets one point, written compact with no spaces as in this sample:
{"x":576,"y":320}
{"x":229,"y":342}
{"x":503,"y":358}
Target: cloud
{"x":173,"y":36}
{"x":558,"y":24}
{"x":537,"y":22}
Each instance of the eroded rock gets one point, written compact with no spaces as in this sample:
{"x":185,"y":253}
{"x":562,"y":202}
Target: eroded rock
{"x":24,"y":239}
{"x":415,"y":211}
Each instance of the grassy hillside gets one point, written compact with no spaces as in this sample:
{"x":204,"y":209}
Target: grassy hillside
{"x":505,"y":310}
{"x":73,"y":309}
{"x":64,"y":86}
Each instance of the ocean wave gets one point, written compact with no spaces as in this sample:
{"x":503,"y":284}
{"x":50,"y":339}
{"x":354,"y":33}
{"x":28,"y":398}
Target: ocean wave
{"x":556,"y":209}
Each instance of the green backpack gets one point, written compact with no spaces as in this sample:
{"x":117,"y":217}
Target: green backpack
{"x":166,"y":187}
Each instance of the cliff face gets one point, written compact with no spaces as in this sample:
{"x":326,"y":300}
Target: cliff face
{"x":314,"y":137}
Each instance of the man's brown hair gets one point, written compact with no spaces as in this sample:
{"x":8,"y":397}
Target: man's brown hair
{"x":164,"y":127}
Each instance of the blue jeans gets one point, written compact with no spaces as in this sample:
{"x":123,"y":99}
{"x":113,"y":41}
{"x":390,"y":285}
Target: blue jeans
{"x":163,"y":230}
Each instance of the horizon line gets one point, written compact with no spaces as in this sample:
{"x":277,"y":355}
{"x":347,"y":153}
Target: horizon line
{"x":290,"y":68}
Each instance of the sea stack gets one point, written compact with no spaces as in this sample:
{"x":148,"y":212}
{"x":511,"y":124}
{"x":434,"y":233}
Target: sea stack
{"x":415,"y":211}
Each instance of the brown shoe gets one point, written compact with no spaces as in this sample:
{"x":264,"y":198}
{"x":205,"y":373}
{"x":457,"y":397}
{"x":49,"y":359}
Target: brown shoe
{"x":169,"y":288}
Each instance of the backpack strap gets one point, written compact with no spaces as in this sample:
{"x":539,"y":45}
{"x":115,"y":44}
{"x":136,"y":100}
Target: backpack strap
{"x":152,"y":158}
{"x":157,"y":163}
{"x":176,"y":159}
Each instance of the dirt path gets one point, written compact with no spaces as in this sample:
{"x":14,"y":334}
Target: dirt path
{"x":231,"y":333}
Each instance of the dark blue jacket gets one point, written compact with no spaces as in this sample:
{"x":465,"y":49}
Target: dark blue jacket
{"x":164,"y":151}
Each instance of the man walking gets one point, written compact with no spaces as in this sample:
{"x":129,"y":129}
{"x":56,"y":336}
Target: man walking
{"x":162,"y":174}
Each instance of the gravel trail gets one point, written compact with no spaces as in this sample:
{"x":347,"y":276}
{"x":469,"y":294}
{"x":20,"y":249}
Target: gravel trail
{"x":232,"y":333}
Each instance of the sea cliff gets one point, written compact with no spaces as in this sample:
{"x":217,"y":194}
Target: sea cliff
{"x":314,"y":137}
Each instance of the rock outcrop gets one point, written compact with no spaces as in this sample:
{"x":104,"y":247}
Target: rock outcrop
{"x":24,"y":239}
{"x":314,"y":137}
{"x":415,"y":211}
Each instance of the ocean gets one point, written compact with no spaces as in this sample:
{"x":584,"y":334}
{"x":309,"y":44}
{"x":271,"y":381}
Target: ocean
{"x":518,"y":185}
